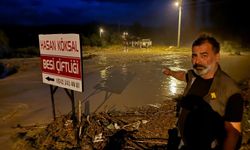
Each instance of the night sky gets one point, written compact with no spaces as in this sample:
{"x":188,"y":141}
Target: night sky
{"x":40,"y":12}
{"x":224,"y":17}
{"x":124,"y":12}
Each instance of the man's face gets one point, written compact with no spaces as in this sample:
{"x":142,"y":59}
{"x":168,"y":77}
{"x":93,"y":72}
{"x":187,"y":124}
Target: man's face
{"x":204,"y":60}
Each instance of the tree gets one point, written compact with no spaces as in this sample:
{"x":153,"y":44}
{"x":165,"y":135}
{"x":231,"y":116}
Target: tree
{"x":4,"y":41}
{"x":114,"y":38}
{"x":137,"y":29}
{"x":85,"y":41}
{"x":4,"y":45}
{"x":95,"y":40}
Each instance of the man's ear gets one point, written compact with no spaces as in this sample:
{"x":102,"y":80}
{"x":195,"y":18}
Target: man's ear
{"x":217,"y":57}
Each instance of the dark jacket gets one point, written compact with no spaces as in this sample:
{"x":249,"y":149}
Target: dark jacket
{"x":204,"y":115}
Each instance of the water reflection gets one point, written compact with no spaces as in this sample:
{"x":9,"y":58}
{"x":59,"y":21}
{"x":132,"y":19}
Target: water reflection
{"x":104,"y":73}
{"x":124,"y":69}
{"x":102,"y":60}
{"x":172,"y":87}
{"x":177,"y":62}
{"x":113,"y":80}
{"x":117,"y":83}
{"x":172,"y":84}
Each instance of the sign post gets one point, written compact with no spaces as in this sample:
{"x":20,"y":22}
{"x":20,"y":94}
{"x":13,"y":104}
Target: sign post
{"x":61,"y":59}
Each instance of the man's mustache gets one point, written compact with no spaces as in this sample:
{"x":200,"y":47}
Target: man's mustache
{"x":198,"y":66}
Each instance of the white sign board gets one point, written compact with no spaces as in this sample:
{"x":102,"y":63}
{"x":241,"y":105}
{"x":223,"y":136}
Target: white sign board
{"x":61,"y":60}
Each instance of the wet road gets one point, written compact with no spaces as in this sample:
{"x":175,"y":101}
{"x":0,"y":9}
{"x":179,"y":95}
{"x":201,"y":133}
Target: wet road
{"x":122,"y":81}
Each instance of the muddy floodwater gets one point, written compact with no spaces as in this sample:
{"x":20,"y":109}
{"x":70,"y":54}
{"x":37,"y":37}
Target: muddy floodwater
{"x":120,"y":81}
{"x":112,"y":81}
{"x":123,"y":81}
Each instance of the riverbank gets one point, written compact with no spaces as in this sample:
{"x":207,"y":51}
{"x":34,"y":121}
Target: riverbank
{"x":144,"y":127}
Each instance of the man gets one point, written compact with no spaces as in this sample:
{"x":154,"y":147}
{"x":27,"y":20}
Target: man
{"x":210,"y":96}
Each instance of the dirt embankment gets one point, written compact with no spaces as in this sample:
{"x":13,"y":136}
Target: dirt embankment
{"x":140,"y":128}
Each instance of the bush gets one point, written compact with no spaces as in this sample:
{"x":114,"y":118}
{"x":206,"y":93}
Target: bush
{"x":4,"y":40}
{"x":85,"y":41}
{"x":231,"y":46}
{"x":95,"y":40}
{"x":5,"y":52}
{"x":114,"y":39}
{"x":27,"y":52}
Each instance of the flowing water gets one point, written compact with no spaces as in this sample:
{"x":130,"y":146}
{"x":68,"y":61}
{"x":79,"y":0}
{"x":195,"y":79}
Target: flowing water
{"x":116,"y":82}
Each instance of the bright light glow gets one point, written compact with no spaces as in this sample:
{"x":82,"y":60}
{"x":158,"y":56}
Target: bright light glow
{"x":176,"y":4}
{"x":173,"y":86}
{"x":101,"y":31}
{"x":104,"y":74}
{"x":124,"y":35}
{"x":124,"y":69}
{"x":169,"y":86}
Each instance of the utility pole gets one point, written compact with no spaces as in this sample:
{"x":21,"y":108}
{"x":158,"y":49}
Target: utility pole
{"x":100,"y":32}
{"x":179,"y":23}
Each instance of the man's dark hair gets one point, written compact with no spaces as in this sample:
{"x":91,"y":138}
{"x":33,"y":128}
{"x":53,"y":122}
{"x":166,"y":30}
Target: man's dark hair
{"x":207,"y":38}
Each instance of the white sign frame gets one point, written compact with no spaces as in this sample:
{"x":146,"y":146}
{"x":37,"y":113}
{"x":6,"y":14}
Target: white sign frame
{"x":61,"y":60}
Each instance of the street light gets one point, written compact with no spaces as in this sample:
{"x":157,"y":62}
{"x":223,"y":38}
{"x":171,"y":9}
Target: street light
{"x":125,"y":34}
{"x":179,"y":5}
{"x":101,"y":31}
{"x":125,"y":42}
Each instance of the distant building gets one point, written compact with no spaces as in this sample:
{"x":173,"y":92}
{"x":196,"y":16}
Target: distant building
{"x":141,"y":43}
{"x":146,"y":43}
